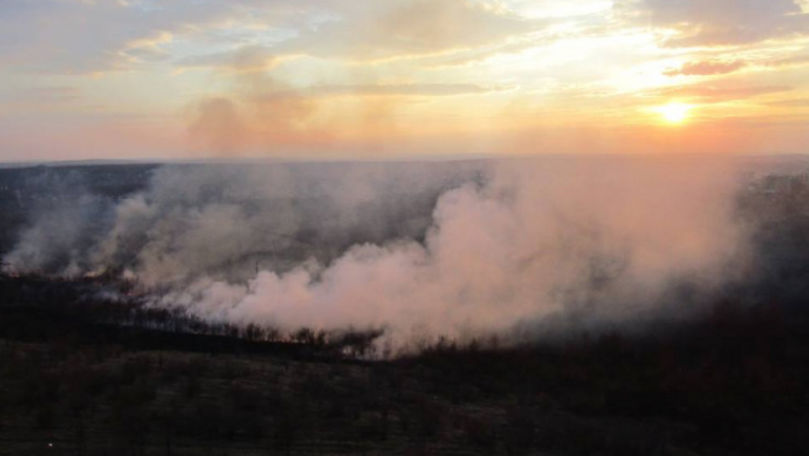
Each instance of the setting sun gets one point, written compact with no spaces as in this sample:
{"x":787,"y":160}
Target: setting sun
{"x":674,"y":113}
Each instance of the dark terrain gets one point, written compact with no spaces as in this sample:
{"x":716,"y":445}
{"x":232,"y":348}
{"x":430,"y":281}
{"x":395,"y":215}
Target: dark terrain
{"x":87,"y":369}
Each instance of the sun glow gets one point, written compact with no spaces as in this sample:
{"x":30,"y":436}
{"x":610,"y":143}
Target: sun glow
{"x":674,"y":113}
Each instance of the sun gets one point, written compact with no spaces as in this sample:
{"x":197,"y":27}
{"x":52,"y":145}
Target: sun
{"x":674,"y":112}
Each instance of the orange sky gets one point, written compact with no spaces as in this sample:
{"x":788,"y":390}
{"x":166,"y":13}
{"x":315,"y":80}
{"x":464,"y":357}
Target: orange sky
{"x":85,"y":79}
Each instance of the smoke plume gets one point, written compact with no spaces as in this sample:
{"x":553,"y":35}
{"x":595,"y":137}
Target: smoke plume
{"x":423,"y":250}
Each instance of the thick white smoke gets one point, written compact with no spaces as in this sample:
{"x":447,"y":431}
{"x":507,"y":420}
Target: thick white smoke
{"x":538,"y":237}
{"x":507,"y":243}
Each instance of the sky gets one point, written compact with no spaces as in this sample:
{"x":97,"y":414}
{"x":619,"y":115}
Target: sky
{"x":324,"y":79}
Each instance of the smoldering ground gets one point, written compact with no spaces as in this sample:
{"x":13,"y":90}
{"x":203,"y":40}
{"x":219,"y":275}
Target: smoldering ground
{"x":428,"y":249}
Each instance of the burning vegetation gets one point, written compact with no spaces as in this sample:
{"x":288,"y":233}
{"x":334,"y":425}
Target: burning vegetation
{"x":92,"y":363}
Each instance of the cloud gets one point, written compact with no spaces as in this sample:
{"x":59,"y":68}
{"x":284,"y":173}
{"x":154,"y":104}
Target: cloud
{"x":467,"y":56}
{"x":798,"y":59}
{"x":77,"y":37}
{"x":401,"y":89}
{"x":715,"y":94}
{"x":147,"y":49}
{"x":57,"y":36}
{"x":794,"y":103}
{"x":706,"y":67}
{"x":242,"y":58}
{"x":721,"y":22}
{"x":103,"y":36}
{"x":47,"y":94}
{"x":415,"y":27}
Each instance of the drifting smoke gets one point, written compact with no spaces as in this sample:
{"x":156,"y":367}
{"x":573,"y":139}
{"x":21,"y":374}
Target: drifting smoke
{"x":452,"y":249}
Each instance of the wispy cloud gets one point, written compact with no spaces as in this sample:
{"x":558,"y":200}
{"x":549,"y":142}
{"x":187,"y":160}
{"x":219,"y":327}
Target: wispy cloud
{"x":721,"y":22}
{"x":706,"y":67}
{"x":82,"y":37}
{"x":49,"y":94}
{"x":717,"y":93}
{"x":241,"y":58}
{"x":402,"y":89}
{"x":417,"y":27}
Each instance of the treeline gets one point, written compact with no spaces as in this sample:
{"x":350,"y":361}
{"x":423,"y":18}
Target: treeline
{"x":91,"y":310}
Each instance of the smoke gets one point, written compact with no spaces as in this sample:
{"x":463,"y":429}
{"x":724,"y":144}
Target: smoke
{"x":423,"y":250}
{"x":69,"y":219}
{"x":227,"y":220}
